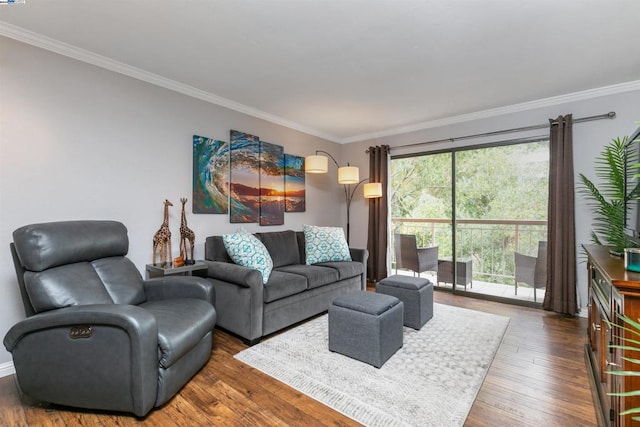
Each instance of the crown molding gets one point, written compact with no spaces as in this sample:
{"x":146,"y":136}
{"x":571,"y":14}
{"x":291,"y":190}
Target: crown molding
{"x":516,"y":108}
{"x":34,"y":39}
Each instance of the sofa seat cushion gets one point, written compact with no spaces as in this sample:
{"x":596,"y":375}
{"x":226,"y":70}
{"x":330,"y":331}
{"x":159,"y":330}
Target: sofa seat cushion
{"x":283,"y":284}
{"x":346,"y":269}
{"x":182,"y":323}
{"x":316,"y":275}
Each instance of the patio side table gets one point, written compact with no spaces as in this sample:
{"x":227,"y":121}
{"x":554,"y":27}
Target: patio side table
{"x":465,"y":272}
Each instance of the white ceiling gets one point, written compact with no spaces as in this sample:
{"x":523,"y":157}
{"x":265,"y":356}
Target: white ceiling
{"x":346,"y":70}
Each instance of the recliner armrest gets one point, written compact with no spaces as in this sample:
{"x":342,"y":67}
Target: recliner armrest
{"x":138,"y":322}
{"x":122,"y":345}
{"x":171,"y":287}
{"x":234,"y":273}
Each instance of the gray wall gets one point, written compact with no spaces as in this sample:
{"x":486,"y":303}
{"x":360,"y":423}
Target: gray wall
{"x":81,"y":142}
{"x":589,"y":138}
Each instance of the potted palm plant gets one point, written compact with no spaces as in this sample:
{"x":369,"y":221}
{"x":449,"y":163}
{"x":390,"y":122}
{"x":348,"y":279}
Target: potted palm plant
{"x":613,"y":167}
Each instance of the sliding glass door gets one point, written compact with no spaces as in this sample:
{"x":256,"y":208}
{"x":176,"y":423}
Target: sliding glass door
{"x":421,"y":205}
{"x":487,"y":206}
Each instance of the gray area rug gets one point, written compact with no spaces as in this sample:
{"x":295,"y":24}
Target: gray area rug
{"x":431,"y":381}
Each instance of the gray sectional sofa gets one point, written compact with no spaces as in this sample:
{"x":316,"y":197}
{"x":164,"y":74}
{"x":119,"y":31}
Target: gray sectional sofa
{"x":295,"y":291}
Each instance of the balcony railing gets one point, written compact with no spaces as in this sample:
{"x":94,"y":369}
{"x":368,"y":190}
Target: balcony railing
{"x":490,"y":244}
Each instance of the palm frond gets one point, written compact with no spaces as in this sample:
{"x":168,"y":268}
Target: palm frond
{"x":632,"y":328}
{"x":625,"y":374}
{"x":607,"y":199}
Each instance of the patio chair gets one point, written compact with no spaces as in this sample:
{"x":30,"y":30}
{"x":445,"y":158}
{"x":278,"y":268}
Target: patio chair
{"x":532,"y":270}
{"x":410,"y":257}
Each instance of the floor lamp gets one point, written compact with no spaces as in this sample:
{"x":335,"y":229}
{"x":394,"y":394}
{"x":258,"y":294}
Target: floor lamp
{"x":347,"y":175}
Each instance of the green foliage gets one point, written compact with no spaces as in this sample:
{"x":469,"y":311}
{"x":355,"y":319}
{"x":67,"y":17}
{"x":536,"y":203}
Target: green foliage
{"x":630,"y":343}
{"x":421,"y":186}
{"x":608,"y":200}
{"x":502,"y":182}
{"x":498,"y":182}
{"x":505,"y":182}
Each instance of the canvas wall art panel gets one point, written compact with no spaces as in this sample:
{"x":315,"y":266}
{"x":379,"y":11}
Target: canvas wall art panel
{"x":294,"y":184}
{"x":210,"y":176}
{"x":271,"y":184}
{"x":244,"y":184}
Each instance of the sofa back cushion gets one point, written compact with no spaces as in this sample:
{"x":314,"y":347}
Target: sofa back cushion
{"x":282,"y":246}
{"x":214,"y":250}
{"x":301,"y":246}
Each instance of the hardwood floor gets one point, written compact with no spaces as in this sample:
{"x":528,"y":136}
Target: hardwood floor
{"x":538,"y":378}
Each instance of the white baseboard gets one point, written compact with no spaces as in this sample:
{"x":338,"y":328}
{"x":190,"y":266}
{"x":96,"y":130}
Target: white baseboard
{"x":7,"y":369}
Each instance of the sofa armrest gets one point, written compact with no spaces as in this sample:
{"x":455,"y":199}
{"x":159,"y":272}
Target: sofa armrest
{"x":233,"y":273}
{"x":239,"y":298}
{"x":361,"y":255}
{"x":171,"y":287}
{"x":115,"y":362}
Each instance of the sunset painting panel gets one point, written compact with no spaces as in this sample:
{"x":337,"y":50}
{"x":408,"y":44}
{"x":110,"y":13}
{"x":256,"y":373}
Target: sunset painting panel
{"x":271,"y":184}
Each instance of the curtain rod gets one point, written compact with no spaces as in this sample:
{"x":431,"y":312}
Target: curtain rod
{"x":609,"y":115}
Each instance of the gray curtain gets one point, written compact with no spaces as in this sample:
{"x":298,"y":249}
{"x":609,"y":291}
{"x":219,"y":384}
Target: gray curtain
{"x":561,"y":295}
{"x":378,"y":214}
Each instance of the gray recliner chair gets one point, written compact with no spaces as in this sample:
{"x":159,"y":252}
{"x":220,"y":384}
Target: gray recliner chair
{"x":96,"y":334}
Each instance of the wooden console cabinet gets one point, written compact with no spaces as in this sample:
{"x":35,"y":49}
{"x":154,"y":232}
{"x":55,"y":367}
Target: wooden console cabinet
{"x":612,"y":291}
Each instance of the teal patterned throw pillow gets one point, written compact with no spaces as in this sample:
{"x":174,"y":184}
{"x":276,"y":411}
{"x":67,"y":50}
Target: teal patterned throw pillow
{"x":324,"y":244}
{"x":245,"y":249}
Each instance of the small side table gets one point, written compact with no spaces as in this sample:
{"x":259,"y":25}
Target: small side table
{"x":464,"y":276}
{"x":165,"y":269}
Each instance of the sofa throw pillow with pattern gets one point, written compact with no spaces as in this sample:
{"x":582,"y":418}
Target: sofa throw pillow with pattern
{"x":245,"y":249}
{"x":325,"y":244}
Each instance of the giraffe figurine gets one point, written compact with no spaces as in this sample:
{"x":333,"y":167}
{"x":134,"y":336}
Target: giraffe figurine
{"x":186,"y":235}
{"x":162,"y":238}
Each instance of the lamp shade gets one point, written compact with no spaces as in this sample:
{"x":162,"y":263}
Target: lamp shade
{"x":316,"y":164}
{"x":348,"y":175}
{"x":372,"y":190}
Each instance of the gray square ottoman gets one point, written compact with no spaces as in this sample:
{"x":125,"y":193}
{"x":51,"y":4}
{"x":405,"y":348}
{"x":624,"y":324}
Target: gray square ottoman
{"x":417,"y":295}
{"x":366,"y":326}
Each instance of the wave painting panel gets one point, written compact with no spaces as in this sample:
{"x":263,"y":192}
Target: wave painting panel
{"x":294,"y":184}
{"x":210,"y":172}
{"x":271,"y":184}
{"x":245,"y":178}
